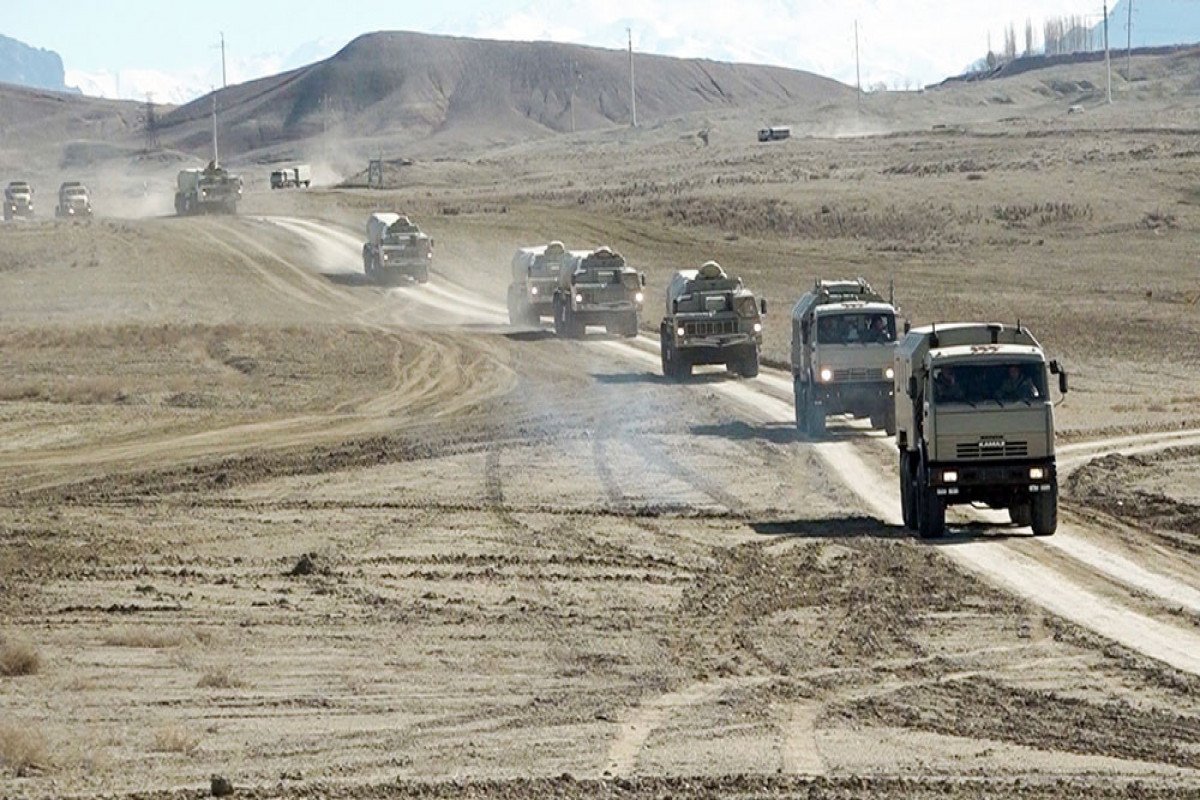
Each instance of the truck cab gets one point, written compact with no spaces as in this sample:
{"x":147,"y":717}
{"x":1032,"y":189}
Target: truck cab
{"x":18,"y":200}
{"x":711,"y":318}
{"x":975,"y":424}
{"x":843,"y":338}
{"x":535,"y":277}
{"x":598,"y":288}
{"x":73,"y":201}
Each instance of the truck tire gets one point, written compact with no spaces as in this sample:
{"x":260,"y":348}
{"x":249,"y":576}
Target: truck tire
{"x":629,"y":327}
{"x":422,"y":275}
{"x":908,"y":510}
{"x":574,"y":327}
{"x":560,"y":322}
{"x":515,"y":317}
{"x":747,"y":362}
{"x":931,"y":511}
{"x":178,"y":205}
{"x":368,"y":264}
{"x":801,"y":404}
{"x":1043,"y":513}
{"x":889,"y":421}
{"x":1021,"y":514}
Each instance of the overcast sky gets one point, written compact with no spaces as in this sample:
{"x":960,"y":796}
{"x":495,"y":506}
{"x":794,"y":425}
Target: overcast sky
{"x":170,"y":48}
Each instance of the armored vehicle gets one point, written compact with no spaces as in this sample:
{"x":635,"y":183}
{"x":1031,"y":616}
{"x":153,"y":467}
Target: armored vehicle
{"x":18,"y":200}
{"x":843,"y":335}
{"x":73,"y":201}
{"x":598,"y":288}
{"x":711,"y":318}
{"x":535,"y":276}
{"x":975,"y":424}
{"x":292,"y":177}
{"x":395,"y":247}
{"x":212,"y":190}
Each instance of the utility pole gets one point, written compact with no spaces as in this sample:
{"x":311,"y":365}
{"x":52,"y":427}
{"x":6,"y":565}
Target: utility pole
{"x":216,"y":152}
{"x":1107,"y":55}
{"x":1129,"y":44}
{"x":857,"y":65}
{"x":632,"y":85}
{"x":224,"y":80}
{"x":576,"y":79}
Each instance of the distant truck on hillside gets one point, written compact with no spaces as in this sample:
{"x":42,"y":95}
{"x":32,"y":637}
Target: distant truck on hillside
{"x":73,"y":201}
{"x":292,"y":177}
{"x":212,"y":190}
{"x":774,"y":134}
{"x":18,"y":200}
{"x":395,"y":247}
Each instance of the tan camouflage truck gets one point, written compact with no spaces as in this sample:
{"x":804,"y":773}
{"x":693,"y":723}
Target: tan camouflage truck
{"x":395,"y":247}
{"x":535,"y":276}
{"x":74,"y":202}
{"x":711,"y":318}
{"x":598,"y":288}
{"x":212,"y":190}
{"x":18,"y":201}
{"x":975,"y":424}
{"x":843,"y":337}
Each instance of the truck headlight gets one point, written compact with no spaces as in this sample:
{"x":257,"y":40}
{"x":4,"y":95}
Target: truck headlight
{"x":826,"y":374}
{"x":758,"y":327}
{"x":950,"y":476}
{"x":1037,"y":474}
{"x":533,"y":290}
{"x":578,"y":298}
{"x":680,"y":332}
{"x":639,"y":297}
{"x":889,"y":373}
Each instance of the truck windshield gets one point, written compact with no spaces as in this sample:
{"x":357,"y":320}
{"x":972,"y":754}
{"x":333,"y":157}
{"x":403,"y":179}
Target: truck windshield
{"x":977,"y":384}
{"x":856,"y":328}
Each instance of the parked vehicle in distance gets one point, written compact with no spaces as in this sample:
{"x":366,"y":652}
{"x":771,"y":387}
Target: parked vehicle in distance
{"x":292,"y":177}
{"x":774,"y":134}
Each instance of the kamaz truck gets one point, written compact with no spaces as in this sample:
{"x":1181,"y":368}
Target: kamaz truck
{"x":73,"y":201}
{"x":395,"y":248}
{"x":843,"y":337}
{"x":535,"y":276}
{"x":212,"y":190}
{"x":18,"y":201}
{"x":711,"y":318}
{"x":292,"y":177}
{"x":975,"y":424}
{"x":598,"y":288}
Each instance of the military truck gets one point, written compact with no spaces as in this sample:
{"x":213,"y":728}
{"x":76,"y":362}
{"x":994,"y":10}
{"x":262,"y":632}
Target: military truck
{"x":292,"y":177}
{"x":711,"y":318}
{"x":843,"y":335}
{"x":18,"y":200}
{"x":535,"y":275}
{"x":975,"y":424}
{"x":212,"y":190}
{"x":74,"y":201}
{"x":395,"y":247}
{"x":598,"y":288}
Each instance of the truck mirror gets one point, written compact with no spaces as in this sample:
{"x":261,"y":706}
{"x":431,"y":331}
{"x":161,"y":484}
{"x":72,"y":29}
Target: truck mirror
{"x":907,"y":326}
{"x":643,"y":278}
{"x":1063,"y":384}
{"x":912,"y":386}
{"x":762,"y":304}
{"x":675,"y":306}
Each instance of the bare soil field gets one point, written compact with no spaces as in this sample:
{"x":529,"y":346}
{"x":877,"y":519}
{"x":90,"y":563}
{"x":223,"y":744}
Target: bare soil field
{"x":262,"y":520}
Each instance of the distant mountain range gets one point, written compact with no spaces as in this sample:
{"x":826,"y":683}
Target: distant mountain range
{"x":23,"y":65}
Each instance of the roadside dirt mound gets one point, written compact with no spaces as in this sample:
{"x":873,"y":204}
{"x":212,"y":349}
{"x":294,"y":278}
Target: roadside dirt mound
{"x":1152,"y":491}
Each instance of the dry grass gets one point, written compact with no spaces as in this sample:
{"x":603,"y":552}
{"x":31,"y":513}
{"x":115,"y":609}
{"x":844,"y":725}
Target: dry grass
{"x":150,"y":638}
{"x":77,"y":391}
{"x":222,"y":677}
{"x":175,"y":739}
{"x":18,"y":657}
{"x":22,"y":749}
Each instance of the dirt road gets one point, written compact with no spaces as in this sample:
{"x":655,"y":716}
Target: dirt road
{"x":436,"y":556}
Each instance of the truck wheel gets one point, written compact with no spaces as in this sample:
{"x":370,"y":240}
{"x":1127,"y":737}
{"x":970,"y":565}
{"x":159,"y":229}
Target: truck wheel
{"x":664,"y":352}
{"x":630,"y":328}
{"x":560,"y":322}
{"x":1021,"y":515}
{"x":576,"y":329}
{"x":1043,"y":513}
{"x":907,"y":505}
{"x":931,"y":512}
{"x":889,"y":421}
{"x":423,"y":275}
{"x":514,"y":311}
{"x":748,"y":363}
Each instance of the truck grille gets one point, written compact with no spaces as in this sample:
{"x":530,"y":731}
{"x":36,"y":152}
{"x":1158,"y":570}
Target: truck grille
{"x":998,"y":449}
{"x":857,"y":374}
{"x":615,"y":294}
{"x":715,"y":327}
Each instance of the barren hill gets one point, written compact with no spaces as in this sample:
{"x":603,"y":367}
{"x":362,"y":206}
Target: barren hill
{"x":410,"y":86}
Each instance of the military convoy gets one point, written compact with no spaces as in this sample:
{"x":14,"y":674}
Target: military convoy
{"x":74,"y":202}
{"x":843,"y":335}
{"x":395,"y":248}
{"x":535,"y":277}
{"x":711,"y":318}
{"x":212,"y":190}
{"x":18,"y":201}
{"x":598,"y":288}
{"x":975,"y":424}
